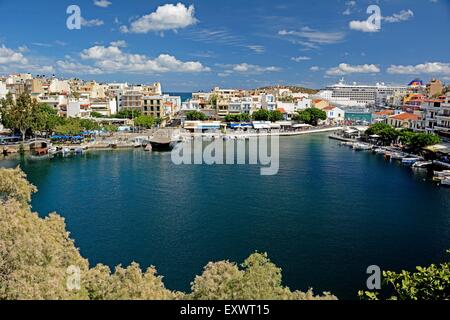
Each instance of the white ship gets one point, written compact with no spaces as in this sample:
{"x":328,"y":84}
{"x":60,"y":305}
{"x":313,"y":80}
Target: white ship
{"x":358,"y":96}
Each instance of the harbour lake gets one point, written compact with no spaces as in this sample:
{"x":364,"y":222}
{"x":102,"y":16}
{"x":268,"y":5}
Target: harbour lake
{"x":329,"y":213}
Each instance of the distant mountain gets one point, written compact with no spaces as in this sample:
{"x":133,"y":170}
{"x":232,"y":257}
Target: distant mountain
{"x":294,"y":89}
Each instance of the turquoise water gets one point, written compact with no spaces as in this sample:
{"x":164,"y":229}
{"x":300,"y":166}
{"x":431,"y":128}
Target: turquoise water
{"x":329,"y":213}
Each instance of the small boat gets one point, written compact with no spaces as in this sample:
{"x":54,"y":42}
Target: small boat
{"x":410,"y":161}
{"x":422,"y":164}
{"x":445,"y":182}
{"x":361,"y":146}
{"x":148,"y":148}
{"x":379,"y":151}
{"x":396,"y":156}
{"x":79,"y":150}
{"x":53,"y":150}
{"x":65,"y":151}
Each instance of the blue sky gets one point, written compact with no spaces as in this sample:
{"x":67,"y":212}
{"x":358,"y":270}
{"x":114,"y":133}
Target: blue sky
{"x":195,"y":45}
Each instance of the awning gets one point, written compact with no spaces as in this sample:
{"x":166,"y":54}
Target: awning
{"x":261,"y":126}
{"x":302,"y":126}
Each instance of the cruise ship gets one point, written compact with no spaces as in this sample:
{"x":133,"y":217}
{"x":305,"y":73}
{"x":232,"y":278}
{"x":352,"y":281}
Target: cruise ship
{"x":359,"y":96}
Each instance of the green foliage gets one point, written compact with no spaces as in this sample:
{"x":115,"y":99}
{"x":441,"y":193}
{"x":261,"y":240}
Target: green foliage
{"x":46,"y":119}
{"x":259,"y":279}
{"x":311,"y":116}
{"x":430,"y":283}
{"x":243,"y":117}
{"x":261,"y":115}
{"x":266,"y":115}
{"x":195,"y":116}
{"x":35,"y":254}
{"x":128,"y":114}
{"x":96,"y":115}
{"x":111,"y":128}
{"x":213,"y":100}
{"x":18,"y":115}
{"x":275,"y":116}
{"x":387,"y":133}
{"x":147,"y":122}
{"x":286,"y":99}
{"x":75,"y":126}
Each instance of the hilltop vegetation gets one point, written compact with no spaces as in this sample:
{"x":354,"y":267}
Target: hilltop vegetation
{"x":294,"y":89}
{"x":35,"y":255}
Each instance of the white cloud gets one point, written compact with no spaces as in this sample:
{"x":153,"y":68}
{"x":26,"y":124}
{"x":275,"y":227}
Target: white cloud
{"x":345,"y":68}
{"x":92,"y":23}
{"x":11,"y":61}
{"x":403,"y":15}
{"x":73,"y":67}
{"x":363,"y":26}
{"x":256,"y":48}
{"x":246,"y":68}
{"x":299,"y":59}
{"x":424,"y":68}
{"x":113,"y":59}
{"x":119,"y":43}
{"x":102,"y":3}
{"x":9,"y":56}
{"x":314,"y":68}
{"x":166,"y":17}
{"x":315,"y":36}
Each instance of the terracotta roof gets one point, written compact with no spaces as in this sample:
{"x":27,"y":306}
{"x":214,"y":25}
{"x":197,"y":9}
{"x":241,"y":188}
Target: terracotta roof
{"x":384,"y":113}
{"x":329,"y":108}
{"x":282,"y":110}
{"x":406,"y":116}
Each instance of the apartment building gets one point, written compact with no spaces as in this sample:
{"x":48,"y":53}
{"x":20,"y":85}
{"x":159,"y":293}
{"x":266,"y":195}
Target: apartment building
{"x":442,"y":125}
{"x":132,"y":100}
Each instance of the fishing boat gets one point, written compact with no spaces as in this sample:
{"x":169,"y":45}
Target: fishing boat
{"x":397,"y":156}
{"x":148,"y":148}
{"x":409,"y":161}
{"x":164,"y":140}
{"x":422,"y":164}
{"x":361,"y":147}
{"x":379,"y":151}
{"x":440,"y":176}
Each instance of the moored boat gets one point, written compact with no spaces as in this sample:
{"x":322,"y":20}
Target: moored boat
{"x":422,"y":164}
{"x":410,"y":161}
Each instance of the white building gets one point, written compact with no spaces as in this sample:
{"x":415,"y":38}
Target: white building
{"x":335,"y":115}
{"x":3,"y":90}
{"x":59,"y":86}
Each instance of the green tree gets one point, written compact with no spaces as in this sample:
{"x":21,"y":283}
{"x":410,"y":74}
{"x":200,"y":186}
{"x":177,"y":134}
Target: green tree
{"x":426,"y":283}
{"x":242,"y":117}
{"x":213,"y":100}
{"x":46,"y":119}
{"x":276,"y":116}
{"x":147,"y":122}
{"x":387,"y":133}
{"x":96,"y":115}
{"x":195,"y":115}
{"x":18,"y":115}
{"x":128,"y":114}
{"x":259,"y":279}
{"x":261,"y":115}
{"x":311,"y":116}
